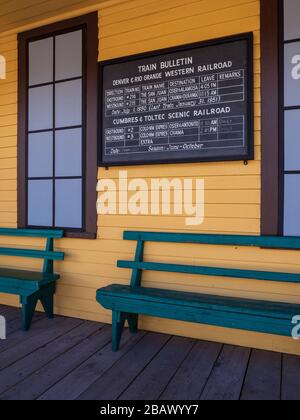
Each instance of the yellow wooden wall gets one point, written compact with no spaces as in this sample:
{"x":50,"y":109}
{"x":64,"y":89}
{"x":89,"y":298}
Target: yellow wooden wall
{"x":232,"y":193}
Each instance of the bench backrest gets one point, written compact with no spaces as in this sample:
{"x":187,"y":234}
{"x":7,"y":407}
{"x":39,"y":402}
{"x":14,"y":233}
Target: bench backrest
{"x":48,"y":254}
{"x":138,"y":265}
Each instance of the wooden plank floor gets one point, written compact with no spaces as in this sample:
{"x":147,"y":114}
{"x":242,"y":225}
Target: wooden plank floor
{"x":69,"y":359}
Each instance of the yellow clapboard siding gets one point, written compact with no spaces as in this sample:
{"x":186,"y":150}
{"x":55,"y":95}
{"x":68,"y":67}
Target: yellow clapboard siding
{"x":11,"y":55}
{"x":9,"y":195}
{"x":211,"y":182}
{"x":229,"y":197}
{"x":151,"y":18}
{"x":8,"y":217}
{"x":89,"y":293}
{"x":248,"y":289}
{"x":8,"y":185}
{"x":11,"y":76}
{"x":10,"y":130}
{"x":171,"y":26}
{"x":8,"y":142}
{"x":7,"y":46}
{"x":153,"y":185}
{"x":10,"y":8}
{"x":9,"y":152}
{"x":209,"y":333}
{"x":201,"y":285}
{"x":10,"y":109}
{"x":9,"y":84}
{"x":116,"y":247}
{"x":11,"y":66}
{"x":188,"y":255}
{"x":135,"y":9}
{"x":197,"y":169}
{"x":213,"y":224}
{"x":8,"y":225}
{"x":41,"y":10}
{"x":8,"y":173}
{"x":228,"y":253}
{"x":9,"y":99}
{"x":7,"y":163}
{"x":232,"y":211}
{"x":8,"y":206}
{"x":178,"y":38}
{"x":90,"y":316}
{"x":7,"y":120}
{"x":10,"y":300}
{"x":7,"y":39}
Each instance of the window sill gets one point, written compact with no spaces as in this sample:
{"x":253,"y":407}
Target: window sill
{"x":80,"y":235}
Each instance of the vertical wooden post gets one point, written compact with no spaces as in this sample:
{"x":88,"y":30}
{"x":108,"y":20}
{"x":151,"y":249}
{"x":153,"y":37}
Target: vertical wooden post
{"x":48,"y":264}
{"x":136,"y":277}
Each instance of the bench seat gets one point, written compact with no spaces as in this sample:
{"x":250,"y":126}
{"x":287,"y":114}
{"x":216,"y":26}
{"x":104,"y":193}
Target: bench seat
{"x":128,"y":302}
{"x":31,"y":286}
{"x":237,"y":313}
{"x":21,"y":282}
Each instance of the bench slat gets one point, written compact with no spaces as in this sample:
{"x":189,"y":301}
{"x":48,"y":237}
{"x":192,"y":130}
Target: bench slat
{"x":33,"y":233}
{"x":212,"y":271}
{"x":234,"y":240}
{"x":30,"y":253}
{"x":222,"y":318}
{"x":24,"y":282}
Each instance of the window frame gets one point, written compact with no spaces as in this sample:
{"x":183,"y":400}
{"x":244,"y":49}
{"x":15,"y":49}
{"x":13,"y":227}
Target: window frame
{"x":89,"y":24}
{"x":271,"y":120}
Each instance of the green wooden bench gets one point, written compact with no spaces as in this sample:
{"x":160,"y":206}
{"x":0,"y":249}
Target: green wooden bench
{"x":31,"y":286}
{"x":127,"y":302}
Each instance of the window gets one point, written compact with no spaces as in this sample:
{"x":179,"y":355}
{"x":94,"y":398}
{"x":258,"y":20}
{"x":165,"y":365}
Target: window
{"x":58,"y":126}
{"x":290,"y":46}
{"x":280,"y":56}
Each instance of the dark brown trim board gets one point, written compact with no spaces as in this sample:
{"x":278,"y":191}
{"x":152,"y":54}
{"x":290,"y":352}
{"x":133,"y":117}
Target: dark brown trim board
{"x":270,"y":191}
{"x":90,"y":23}
{"x":22,"y":116}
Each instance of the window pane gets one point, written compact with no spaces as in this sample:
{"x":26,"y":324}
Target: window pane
{"x":40,"y":108}
{"x":68,"y":111}
{"x":40,"y":203}
{"x":68,"y":152}
{"x":68,"y":49}
{"x":292,"y":140}
{"x":292,"y":205}
{"x":68,"y":204}
{"x":292,"y":74}
{"x":41,"y":61}
{"x":40,"y":155}
{"x":291,"y":19}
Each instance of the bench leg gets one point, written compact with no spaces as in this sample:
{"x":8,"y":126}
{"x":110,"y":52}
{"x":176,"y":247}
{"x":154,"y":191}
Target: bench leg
{"x":118,"y":321}
{"x":28,"y":309}
{"x":47,"y":297}
{"x":133,"y":323}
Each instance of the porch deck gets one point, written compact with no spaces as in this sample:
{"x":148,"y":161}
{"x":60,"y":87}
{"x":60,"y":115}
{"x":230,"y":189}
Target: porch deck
{"x":68,"y":359}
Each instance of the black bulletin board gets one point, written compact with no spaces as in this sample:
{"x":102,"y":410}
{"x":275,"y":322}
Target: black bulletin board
{"x":186,"y":104}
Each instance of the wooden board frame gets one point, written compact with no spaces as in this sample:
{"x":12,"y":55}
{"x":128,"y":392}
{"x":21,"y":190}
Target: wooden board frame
{"x":250,"y":92}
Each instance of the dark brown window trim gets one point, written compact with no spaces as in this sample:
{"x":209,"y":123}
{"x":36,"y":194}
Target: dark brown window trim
{"x":90,"y":21}
{"x":271,"y":214}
